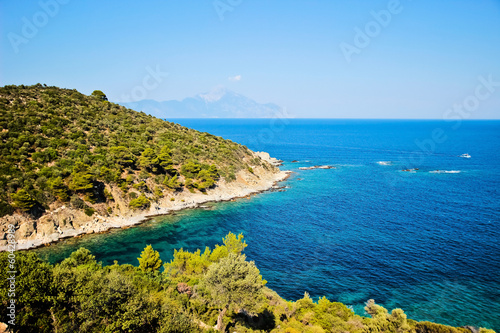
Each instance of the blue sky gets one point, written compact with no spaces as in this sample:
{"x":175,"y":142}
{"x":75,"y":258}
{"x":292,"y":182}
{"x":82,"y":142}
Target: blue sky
{"x":420,"y":62}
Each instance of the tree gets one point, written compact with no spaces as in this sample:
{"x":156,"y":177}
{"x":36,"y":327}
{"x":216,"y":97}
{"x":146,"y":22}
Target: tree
{"x":22,"y":199}
{"x":58,"y":188}
{"x":141,"y":202}
{"x":234,"y":244}
{"x":149,"y":261}
{"x":32,"y":290}
{"x":383,"y":322}
{"x":214,"y":173}
{"x":164,"y":159}
{"x":81,"y":179}
{"x":206,"y":180}
{"x":82,"y":256}
{"x":191,"y":169}
{"x":99,"y":95}
{"x":149,"y":160}
{"x":172,"y":183}
{"x":122,"y":155}
{"x":233,"y":284}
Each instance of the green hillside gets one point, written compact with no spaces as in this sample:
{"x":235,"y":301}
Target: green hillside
{"x":60,"y":145}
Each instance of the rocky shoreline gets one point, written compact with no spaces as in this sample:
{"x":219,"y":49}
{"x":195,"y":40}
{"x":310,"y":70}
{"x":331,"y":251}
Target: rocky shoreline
{"x":65,"y":222}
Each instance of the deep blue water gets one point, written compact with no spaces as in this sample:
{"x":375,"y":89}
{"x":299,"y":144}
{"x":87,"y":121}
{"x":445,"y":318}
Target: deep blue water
{"x":426,"y":242}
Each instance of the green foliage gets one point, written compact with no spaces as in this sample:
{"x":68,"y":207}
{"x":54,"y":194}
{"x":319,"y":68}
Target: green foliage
{"x":56,"y":143}
{"x":383,"y":322}
{"x":33,"y":291}
{"x":140,"y":203}
{"x":149,"y":261}
{"x":81,"y":179}
{"x":198,"y":289}
{"x":172,"y":183}
{"x":122,"y":156}
{"x":235,"y":244}
{"x":82,"y":256}
{"x":191,"y":169}
{"x":99,"y":95}
{"x":428,"y":327}
{"x":59,"y":189}
{"x":77,"y":203}
{"x":22,"y":200}
{"x":233,"y":283}
{"x":89,"y":211}
{"x":108,"y":195}
{"x":6,"y":209}
{"x":188,"y":264}
{"x":158,"y":192}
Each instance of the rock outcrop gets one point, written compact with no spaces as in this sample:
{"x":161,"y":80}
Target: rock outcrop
{"x":317,"y":167}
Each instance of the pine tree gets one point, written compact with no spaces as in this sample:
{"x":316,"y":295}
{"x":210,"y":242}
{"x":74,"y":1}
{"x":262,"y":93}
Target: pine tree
{"x":149,"y":261}
{"x":233,"y":283}
{"x":22,"y":199}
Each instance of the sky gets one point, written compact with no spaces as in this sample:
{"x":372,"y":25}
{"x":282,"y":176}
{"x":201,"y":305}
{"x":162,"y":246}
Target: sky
{"x":419,"y":59}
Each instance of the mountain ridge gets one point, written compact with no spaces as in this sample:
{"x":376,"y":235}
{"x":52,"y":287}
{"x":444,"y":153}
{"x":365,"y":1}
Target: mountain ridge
{"x":219,"y":102}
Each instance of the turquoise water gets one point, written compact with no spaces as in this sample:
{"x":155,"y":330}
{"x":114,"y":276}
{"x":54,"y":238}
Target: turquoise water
{"x":427,"y":242}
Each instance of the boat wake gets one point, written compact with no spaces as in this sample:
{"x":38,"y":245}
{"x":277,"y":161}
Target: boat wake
{"x":445,"y":171}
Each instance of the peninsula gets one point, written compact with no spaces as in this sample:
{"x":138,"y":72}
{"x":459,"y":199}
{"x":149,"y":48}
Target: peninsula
{"x":73,"y":164}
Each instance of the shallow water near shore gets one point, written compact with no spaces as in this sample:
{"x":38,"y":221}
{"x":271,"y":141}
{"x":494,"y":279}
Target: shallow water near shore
{"x":426,"y":240}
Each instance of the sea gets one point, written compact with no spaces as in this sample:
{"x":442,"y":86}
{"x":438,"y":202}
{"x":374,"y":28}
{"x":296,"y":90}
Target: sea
{"x":403,"y":218}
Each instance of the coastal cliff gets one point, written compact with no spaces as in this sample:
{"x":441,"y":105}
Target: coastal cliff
{"x":74,"y":164}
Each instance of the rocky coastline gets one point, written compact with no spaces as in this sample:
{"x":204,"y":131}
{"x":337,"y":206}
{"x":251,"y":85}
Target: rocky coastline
{"x":65,"y":222}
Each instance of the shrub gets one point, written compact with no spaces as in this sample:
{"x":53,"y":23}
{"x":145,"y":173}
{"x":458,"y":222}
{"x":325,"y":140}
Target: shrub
{"x":108,"y":195}
{"x":76,"y":202}
{"x":140,"y":203}
{"x":231,"y":177}
{"x":89,"y":211}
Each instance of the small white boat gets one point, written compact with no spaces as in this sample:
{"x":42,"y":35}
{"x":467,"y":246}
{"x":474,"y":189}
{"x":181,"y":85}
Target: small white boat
{"x":465,"y":155}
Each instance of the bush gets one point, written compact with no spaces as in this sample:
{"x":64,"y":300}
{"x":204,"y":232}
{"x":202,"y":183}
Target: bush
{"x":89,"y":211}
{"x":140,"y":203}
{"x":76,"y":202}
{"x":191,"y":169}
{"x":108,"y":195}
{"x":428,"y":327}
{"x":6,"y":209}
{"x":231,"y":177}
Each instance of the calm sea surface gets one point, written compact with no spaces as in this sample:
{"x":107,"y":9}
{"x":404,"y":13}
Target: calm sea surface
{"x":426,"y":241}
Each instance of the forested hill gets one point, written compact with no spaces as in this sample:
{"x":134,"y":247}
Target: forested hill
{"x":58,"y":145}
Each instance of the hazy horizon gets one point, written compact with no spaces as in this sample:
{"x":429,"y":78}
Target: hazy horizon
{"x":383,"y":59}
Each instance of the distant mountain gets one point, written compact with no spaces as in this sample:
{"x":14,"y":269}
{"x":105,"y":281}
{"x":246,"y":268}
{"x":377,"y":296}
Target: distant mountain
{"x":218,"y":103}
